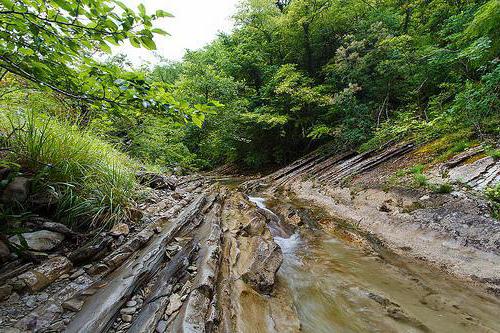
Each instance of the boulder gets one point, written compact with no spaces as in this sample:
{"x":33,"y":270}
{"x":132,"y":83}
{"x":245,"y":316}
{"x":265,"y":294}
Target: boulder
{"x":46,"y":224}
{"x":43,"y":240}
{"x":43,"y":275}
{"x":16,"y":191}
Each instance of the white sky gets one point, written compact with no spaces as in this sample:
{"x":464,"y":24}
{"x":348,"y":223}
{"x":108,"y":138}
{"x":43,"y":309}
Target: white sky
{"x":195,"y":23}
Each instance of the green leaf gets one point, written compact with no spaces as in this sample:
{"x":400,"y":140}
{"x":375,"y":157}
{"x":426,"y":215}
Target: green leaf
{"x":134,"y":41}
{"x":162,"y":13}
{"x":105,"y":47}
{"x":148,"y":43}
{"x":198,"y":119}
{"x":26,"y":51}
{"x":160,"y":32}
{"x":142,"y":9}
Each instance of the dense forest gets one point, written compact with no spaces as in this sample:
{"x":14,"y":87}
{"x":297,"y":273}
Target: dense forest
{"x":295,"y":74}
{"x":291,"y":76}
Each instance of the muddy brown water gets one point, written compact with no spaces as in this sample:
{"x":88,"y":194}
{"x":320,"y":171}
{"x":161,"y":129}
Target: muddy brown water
{"x":341,"y":286}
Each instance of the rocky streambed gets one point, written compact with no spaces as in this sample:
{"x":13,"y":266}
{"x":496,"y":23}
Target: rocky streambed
{"x":344,"y":280}
{"x":297,"y":255}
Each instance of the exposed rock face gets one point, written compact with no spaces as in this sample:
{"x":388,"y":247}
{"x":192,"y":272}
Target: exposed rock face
{"x":43,"y":240}
{"x":41,"y":276}
{"x":479,"y":174}
{"x":16,"y":191}
{"x":266,"y":262}
{"x":250,"y":259}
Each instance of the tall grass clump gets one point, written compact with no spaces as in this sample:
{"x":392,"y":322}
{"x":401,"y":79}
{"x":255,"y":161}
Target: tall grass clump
{"x":93,"y":181}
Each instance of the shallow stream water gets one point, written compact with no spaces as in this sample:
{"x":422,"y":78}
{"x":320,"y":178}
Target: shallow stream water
{"x":338,"y":285}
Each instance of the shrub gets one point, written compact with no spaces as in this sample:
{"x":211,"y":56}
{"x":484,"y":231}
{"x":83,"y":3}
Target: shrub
{"x":93,"y":181}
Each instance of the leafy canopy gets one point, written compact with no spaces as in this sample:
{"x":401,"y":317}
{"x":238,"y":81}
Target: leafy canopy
{"x":53,"y":43}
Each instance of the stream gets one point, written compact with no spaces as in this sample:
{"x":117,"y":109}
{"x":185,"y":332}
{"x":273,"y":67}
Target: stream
{"x":340,"y":285}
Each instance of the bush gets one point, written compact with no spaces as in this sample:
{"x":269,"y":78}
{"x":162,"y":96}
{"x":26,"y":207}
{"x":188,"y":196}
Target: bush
{"x":93,"y":181}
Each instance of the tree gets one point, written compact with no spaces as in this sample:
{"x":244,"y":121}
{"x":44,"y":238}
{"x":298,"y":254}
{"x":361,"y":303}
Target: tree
{"x":53,"y":43}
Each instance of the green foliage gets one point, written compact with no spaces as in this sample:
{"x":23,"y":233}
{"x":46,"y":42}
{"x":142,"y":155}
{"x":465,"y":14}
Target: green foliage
{"x":297,"y":74}
{"x":495,"y":153}
{"x":493,"y":195}
{"x":93,"y":181}
{"x":443,"y":188}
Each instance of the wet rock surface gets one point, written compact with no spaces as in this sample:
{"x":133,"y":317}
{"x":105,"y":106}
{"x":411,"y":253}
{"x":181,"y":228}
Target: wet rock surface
{"x":43,"y":240}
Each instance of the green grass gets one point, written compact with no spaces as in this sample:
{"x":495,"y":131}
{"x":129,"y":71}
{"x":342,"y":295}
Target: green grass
{"x":93,"y":181}
{"x":442,"y":188}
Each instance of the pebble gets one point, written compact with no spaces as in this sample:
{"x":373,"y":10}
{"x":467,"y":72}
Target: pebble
{"x":73,"y":304}
{"x":174,"y":304}
{"x":126,"y":318}
{"x":162,"y":326}
{"x":172,"y":247}
{"x":128,"y":310}
{"x":425,"y":197}
{"x":131,"y":304}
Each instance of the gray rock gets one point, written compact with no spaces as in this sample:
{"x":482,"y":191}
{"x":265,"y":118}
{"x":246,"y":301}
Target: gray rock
{"x":42,"y":240}
{"x":129,"y":311}
{"x":126,"y":318}
{"x":261,"y":274}
{"x":73,"y":304}
{"x":161,"y":326}
{"x":77,"y":274}
{"x":16,"y":190}
{"x":131,"y":304}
